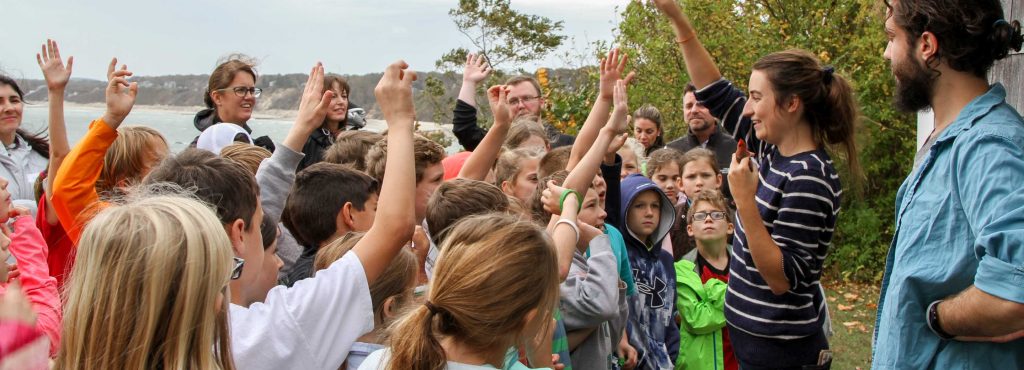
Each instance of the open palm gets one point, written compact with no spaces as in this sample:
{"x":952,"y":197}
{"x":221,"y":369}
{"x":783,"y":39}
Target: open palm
{"x":54,"y":71}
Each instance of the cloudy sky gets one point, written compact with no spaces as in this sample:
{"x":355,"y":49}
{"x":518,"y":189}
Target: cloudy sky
{"x":188,"y":36}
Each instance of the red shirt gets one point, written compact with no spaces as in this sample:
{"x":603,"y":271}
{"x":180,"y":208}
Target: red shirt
{"x":707,"y":272}
{"x":62,"y":249}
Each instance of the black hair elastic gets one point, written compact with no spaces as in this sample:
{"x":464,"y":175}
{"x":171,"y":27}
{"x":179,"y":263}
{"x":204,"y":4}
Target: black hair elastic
{"x":433,"y":309}
{"x":826,"y":74}
{"x":1001,"y":21}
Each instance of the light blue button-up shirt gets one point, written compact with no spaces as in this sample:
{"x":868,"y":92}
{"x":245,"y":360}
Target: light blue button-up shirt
{"x":959,"y":221}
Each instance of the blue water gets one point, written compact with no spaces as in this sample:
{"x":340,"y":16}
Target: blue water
{"x":177,"y":127}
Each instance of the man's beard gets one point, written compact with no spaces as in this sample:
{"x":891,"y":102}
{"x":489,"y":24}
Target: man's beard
{"x":914,"y":86}
{"x":699,"y":125}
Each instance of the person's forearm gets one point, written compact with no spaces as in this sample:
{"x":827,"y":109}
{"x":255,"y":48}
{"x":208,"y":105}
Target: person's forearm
{"x":565,"y":237}
{"x":699,"y":64}
{"x":467,"y":92}
{"x":974,"y":313}
{"x":582,"y":175}
{"x":297,"y":137}
{"x":59,"y":148}
{"x":394,"y":224}
{"x":598,"y":116}
{"x":482,"y":159}
{"x":766,"y":254}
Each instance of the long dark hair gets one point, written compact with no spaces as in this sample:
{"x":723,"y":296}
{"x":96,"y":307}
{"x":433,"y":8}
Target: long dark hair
{"x":38,"y":142}
{"x":829,"y":104}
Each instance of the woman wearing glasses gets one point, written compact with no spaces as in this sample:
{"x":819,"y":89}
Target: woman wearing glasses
{"x":231,"y":96}
{"x":151,"y":295}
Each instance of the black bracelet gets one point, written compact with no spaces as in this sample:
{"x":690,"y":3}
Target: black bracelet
{"x":933,"y":321}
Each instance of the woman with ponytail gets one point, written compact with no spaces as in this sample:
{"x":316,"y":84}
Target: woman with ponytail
{"x":787,"y":192}
{"x":473,"y":315}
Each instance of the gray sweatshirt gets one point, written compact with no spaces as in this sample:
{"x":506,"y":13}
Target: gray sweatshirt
{"x":590,"y":299}
{"x":275,"y":177}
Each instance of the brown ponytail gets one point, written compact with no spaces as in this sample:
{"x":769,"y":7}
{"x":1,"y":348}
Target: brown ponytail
{"x":827,"y":97}
{"x":486,"y":282}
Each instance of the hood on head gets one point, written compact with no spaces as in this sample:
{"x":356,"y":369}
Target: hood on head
{"x":631,"y":187}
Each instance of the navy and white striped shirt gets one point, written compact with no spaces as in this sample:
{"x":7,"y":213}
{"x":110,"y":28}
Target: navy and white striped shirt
{"x":798,"y":198}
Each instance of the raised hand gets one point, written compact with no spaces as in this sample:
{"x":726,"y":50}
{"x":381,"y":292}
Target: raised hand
{"x":477,"y":69}
{"x":497,"y":96}
{"x":315,"y":101}
{"x":668,"y":7}
{"x":394,"y":94}
{"x":551,"y":196}
{"x":54,"y":71}
{"x":611,"y":70}
{"x":618,"y":121}
{"x":120,"y":94}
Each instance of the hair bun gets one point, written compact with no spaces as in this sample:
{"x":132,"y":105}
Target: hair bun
{"x":1005,"y":36}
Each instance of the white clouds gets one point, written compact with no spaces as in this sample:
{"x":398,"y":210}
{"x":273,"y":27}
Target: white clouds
{"x":188,"y":36}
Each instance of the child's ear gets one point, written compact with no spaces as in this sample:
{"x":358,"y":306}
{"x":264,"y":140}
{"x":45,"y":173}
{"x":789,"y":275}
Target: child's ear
{"x":345,"y":218}
{"x":389,"y":308}
{"x":730,"y":230}
{"x":718,"y":180}
{"x":689,"y":229}
{"x":506,"y":188}
{"x":236,"y":232}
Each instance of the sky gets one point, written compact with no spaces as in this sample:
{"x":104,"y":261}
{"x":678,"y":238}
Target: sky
{"x":189,"y":36}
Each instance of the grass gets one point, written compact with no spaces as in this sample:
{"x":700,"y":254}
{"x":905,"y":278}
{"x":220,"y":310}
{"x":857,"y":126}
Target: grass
{"x":852,"y":306}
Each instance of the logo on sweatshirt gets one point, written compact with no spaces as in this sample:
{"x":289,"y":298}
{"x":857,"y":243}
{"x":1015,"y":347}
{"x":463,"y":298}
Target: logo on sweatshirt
{"x":652,"y":290}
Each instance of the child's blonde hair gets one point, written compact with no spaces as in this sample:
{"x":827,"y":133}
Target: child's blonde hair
{"x":396,"y":281}
{"x":509,"y":164}
{"x":486,"y":281}
{"x":124,"y":164}
{"x":144,"y":286}
{"x":522,"y":130}
{"x":248,"y":155}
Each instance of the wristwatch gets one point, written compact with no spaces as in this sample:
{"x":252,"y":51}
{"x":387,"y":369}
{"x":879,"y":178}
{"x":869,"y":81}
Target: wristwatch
{"x":933,"y":321}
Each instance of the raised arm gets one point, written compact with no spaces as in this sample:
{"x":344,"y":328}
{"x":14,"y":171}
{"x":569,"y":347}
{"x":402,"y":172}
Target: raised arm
{"x":74,"y":185}
{"x":395,"y":224}
{"x":57,"y":76}
{"x":699,"y":65}
{"x":611,"y":70}
{"x":582,"y":175}
{"x":312,"y":110}
{"x":482,"y":159}
{"x":464,"y":122}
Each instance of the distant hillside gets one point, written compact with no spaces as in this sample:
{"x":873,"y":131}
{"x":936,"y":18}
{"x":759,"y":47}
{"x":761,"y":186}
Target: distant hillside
{"x":280,"y":92}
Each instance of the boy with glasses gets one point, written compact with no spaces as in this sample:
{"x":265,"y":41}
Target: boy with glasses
{"x":701,"y":285}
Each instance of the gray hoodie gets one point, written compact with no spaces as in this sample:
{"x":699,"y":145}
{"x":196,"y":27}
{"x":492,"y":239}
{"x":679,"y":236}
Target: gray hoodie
{"x":591,"y":299}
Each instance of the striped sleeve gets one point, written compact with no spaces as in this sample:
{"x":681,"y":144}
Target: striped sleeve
{"x":804,"y":226}
{"x":725,"y":102}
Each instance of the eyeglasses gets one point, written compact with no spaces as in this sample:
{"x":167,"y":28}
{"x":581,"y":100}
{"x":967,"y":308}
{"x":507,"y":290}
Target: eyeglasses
{"x":241,"y":91}
{"x":237,"y":271}
{"x":715,"y":215}
{"x":524,"y":100}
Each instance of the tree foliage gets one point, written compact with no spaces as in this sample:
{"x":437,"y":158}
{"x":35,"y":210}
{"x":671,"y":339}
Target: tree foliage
{"x":847,"y":34}
{"x":505,"y":36}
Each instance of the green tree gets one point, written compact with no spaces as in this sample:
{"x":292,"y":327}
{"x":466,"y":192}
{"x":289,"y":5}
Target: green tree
{"x":847,"y":34}
{"x":505,"y":36}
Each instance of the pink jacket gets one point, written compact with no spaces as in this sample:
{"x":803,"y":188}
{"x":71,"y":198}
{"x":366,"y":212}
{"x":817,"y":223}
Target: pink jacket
{"x":29,"y":248}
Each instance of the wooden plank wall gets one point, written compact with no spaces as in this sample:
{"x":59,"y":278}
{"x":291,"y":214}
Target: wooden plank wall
{"x":1010,"y":71}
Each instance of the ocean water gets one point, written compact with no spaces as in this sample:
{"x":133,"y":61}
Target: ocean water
{"x":177,"y":127}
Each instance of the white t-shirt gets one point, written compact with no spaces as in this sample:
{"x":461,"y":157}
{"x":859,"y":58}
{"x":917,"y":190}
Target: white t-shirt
{"x":311,"y":325}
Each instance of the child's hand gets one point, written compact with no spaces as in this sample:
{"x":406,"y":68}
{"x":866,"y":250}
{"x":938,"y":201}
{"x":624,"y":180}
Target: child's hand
{"x":394,"y":94}
{"x":611,"y":70}
{"x":618,"y":121}
{"x":497,"y":97}
{"x":18,"y":211}
{"x":120,"y":94}
{"x":550,"y":197}
{"x":743,"y":180}
{"x":15,"y":306}
{"x":54,"y":72}
{"x":628,"y":353}
{"x":314,"y":102}
{"x":587,"y":233}
{"x":477,"y":69}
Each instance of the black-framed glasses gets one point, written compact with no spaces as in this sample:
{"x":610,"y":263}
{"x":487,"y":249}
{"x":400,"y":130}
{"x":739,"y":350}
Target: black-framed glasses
{"x":237,"y":271}
{"x":241,"y":91}
{"x":715,"y":215}
{"x":524,"y":100}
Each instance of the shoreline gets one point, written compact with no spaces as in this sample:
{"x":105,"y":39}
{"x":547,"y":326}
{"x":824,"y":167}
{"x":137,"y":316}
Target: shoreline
{"x":272,"y":114}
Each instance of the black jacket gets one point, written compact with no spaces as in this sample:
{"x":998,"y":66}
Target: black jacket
{"x":469,"y":134}
{"x":208,"y":117}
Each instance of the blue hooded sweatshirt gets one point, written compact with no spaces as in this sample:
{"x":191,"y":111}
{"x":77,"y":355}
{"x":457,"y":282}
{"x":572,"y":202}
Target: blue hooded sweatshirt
{"x":652,"y":327}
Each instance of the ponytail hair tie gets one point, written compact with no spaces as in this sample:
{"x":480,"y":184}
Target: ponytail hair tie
{"x":826,"y":74}
{"x":433,"y":309}
{"x":1000,"y":22}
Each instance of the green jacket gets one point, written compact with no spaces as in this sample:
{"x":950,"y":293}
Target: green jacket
{"x":701,"y":307}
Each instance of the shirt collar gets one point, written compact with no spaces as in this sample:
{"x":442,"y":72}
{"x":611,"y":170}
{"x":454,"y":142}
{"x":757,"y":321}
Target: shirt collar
{"x":973,"y":111}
